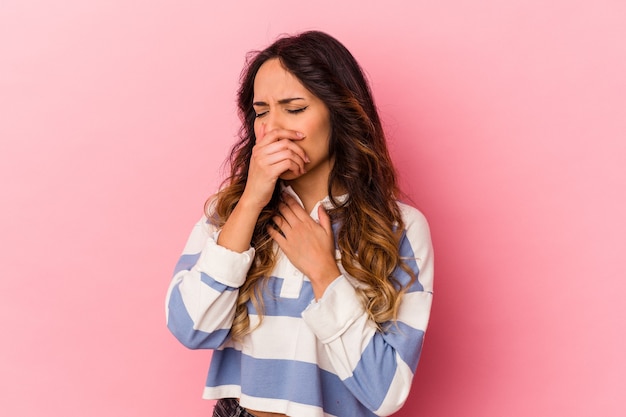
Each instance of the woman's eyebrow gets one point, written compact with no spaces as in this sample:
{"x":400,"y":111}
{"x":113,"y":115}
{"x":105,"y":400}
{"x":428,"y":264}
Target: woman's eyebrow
{"x":283,"y":101}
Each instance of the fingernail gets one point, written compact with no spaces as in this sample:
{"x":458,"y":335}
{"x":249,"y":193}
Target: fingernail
{"x":300,"y":134}
{"x":306,"y":159}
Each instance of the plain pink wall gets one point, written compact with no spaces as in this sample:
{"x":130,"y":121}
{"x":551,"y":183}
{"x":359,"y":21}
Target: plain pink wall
{"x":508,"y":124}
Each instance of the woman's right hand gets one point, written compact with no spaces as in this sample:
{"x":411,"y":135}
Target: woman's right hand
{"x":275,"y":153}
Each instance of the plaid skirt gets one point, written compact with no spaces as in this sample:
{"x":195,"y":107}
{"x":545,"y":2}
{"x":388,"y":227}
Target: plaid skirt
{"x":229,"y":407}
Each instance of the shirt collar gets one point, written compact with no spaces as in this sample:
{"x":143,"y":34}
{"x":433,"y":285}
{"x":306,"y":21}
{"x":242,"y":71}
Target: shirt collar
{"x":326,"y":202}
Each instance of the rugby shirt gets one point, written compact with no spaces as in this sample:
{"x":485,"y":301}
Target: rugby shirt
{"x":307,"y":358}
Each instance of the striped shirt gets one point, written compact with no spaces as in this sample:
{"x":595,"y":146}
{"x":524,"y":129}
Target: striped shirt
{"x":307,"y":358}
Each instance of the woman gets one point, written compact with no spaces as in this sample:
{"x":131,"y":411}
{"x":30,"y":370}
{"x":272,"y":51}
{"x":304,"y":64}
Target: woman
{"x":307,"y":277}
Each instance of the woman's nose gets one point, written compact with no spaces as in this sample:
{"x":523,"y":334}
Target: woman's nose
{"x":272,"y":121}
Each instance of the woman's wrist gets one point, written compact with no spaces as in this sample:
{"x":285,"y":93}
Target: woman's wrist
{"x":252,"y":203}
{"x":236,"y":234}
{"x":321,"y":279}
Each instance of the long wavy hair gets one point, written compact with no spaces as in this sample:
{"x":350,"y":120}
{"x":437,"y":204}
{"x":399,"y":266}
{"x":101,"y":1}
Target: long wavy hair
{"x":369,"y":220}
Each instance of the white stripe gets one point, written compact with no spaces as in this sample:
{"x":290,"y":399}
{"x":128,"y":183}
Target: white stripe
{"x":415,"y":309}
{"x":222,"y":391}
{"x":418,"y":232}
{"x":343,"y":351}
{"x":199,"y":234}
{"x":398,"y":391}
{"x":292,"y":277}
{"x":282,"y":406}
{"x":285,"y":338}
{"x":209,"y":309}
{"x":224,"y":265}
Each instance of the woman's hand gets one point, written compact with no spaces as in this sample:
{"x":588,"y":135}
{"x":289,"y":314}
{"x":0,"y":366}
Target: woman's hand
{"x":310,"y":246}
{"x":274,"y":153}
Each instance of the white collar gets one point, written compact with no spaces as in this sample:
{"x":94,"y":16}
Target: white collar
{"x":326,"y":202}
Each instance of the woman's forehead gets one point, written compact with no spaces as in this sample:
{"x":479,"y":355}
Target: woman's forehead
{"x":274,"y":82}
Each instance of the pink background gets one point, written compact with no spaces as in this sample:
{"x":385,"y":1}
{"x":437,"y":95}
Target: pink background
{"x":507,"y":121}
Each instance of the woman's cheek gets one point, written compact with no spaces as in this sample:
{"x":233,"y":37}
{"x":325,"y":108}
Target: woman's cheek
{"x":259,"y":129}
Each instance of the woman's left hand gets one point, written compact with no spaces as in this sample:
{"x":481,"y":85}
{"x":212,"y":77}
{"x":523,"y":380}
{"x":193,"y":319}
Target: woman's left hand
{"x":310,"y":246}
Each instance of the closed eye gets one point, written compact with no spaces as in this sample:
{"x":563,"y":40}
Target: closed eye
{"x":296,"y":111}
{"x":263,"y":113}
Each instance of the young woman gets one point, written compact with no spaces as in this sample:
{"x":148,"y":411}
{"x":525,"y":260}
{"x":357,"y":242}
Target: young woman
{"x":306,"y":276}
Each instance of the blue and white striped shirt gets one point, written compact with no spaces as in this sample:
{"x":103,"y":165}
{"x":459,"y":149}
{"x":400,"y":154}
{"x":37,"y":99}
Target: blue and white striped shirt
{"x":307,"y":358}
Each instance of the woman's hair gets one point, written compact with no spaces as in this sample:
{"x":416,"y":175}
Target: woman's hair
{"x":369,"y":220}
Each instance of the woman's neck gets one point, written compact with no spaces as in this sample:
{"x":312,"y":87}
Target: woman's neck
{"x":310,"y":192}
{"x":313,"y":186}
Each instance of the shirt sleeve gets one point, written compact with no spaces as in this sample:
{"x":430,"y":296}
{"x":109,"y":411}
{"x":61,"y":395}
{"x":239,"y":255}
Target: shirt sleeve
{"x":377,"y":365}
{"x":201,"y":299}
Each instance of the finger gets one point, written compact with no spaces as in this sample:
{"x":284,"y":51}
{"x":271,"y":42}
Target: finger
{"x":280,"y":222}
{"x":324,"y":219}
{"x":282,"y":149}
{"x":275,"y":164}
{"x":287,"y":214}
{"x":293,"y":146}
{"x":295,"y":207}
{"x":275,"y":135}
{"x":286,"y":150}
{"x":286,"y":138}
{"x":280,"y":167}
{"x":276,"y":236}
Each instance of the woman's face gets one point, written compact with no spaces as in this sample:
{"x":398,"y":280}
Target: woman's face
{"x":282,"y":102}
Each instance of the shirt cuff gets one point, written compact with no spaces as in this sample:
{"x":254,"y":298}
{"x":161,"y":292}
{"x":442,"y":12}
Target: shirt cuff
{"x":335,"y":312}
{"x":224,"y":265}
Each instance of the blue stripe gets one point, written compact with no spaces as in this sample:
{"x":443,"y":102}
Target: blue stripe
{"x":275,"y":305}
{"x":181,"y":325}
{"x":217,"y":286}
{"x":407,"y":340}
{"x":338,"y":400}
{"x":186,"y":262}
{"x":380,"y":353}
{"x":335,"y":227}
{"x":225,"y":368}
{"x":266,"y":378}
{"x":408,"y":257}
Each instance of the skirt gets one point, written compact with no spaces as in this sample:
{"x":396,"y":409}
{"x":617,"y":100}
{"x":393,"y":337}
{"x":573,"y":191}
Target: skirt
{"x":229,"y":407}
